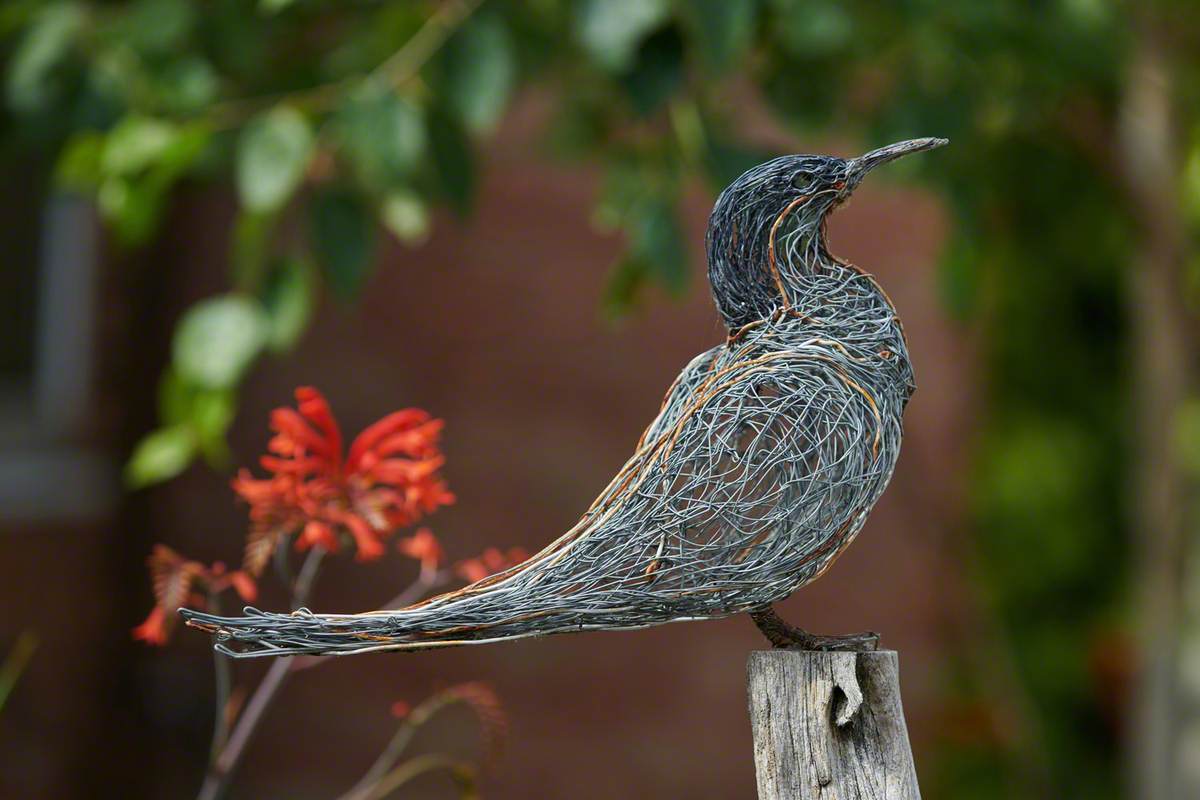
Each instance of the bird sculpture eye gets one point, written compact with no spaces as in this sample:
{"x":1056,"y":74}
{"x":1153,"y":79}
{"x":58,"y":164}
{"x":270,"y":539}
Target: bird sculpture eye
{"x":802,"y":180}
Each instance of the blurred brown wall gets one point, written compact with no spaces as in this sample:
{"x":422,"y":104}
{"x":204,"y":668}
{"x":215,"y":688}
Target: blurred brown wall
{"x":493,"y":326}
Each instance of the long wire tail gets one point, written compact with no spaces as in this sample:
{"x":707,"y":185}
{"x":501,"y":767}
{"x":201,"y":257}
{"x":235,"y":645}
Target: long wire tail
{"x":261,"y":633}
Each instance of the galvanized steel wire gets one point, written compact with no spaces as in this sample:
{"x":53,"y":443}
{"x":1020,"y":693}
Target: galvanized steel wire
{"x":762,"y":465}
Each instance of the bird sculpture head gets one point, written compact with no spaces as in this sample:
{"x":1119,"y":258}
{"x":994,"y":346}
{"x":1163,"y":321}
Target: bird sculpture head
{"x":767,"y":229}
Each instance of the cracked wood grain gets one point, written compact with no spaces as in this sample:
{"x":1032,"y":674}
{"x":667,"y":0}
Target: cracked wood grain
{"x":829,"y":726}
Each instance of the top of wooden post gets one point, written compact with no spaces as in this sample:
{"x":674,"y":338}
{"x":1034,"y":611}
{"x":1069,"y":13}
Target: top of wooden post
{"x":829,"y":724}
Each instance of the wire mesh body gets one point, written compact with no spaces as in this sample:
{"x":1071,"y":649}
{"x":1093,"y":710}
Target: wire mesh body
{"x":760,"y":468}
{"x":766,"y":457}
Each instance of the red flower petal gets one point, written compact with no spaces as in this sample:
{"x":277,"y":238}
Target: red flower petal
{"x":366,"y":538}
{"x":418,"y":442}
{"x":493,"y":559}
{"x":424,"y":547}
{"x":294,"y":434}
{"x":390,"y":480}
{"x":154,"y":630}
{"x":299,"y":467}
{"x":317,"y":533}
{"x":471,"y":570}
{"x":489,"y":562}
{"x":244,"y":585}
{"x":402,"y":470}
{"x":316,"y":410}
{"x":375,"y":433}
{"x":254,"y":491}
{"x":430,"y":495}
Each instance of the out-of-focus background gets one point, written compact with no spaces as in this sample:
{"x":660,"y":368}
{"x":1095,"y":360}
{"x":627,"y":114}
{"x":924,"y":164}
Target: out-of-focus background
{"x":494,"y":211}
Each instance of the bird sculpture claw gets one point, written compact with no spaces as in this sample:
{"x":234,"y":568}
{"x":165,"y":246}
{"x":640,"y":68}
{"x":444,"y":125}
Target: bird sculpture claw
{"x":788,"y":637}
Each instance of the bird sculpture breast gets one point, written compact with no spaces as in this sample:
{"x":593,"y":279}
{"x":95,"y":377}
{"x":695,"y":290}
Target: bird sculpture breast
{"x":766,"y":457}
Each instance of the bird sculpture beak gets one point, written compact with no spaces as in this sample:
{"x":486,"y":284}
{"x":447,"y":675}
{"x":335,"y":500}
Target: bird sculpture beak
{"x":858,"y":167}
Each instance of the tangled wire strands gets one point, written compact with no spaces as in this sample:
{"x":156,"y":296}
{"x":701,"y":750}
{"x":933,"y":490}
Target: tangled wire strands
{"x":767,"y":455}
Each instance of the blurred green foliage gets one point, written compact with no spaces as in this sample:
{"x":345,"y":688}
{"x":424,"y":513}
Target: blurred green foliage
{"x":352,"y":114}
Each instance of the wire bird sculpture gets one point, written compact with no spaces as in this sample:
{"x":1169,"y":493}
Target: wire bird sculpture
{"x":761,"y":467}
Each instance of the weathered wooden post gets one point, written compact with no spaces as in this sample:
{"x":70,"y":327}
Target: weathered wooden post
{"x":829,"y":725}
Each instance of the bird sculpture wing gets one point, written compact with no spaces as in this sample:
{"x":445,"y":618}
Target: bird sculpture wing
{"x":693,"y":375}
{"x":758,"y":470}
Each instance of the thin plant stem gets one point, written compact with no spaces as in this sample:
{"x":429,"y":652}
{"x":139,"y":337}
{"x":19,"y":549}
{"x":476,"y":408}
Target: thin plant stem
{"x":217,"y":780}
{"x":222,"y":673}
{"x":399,"y":742}
{"x":14,"y":665}
{"x":223,"y":765}
{"x":283,"y":569}
{"x":387,"y":758}
{"x":395,"y":70}
{"x":427,"y":581}
{"x":464,"y":771}
{"x":303,"y":586}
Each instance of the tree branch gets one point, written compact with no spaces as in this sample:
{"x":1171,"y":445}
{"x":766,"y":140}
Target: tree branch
{"x":399,"y":67}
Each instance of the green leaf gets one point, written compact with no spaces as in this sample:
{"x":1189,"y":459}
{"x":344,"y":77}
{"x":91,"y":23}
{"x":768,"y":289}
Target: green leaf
{"x":481,"y":69}
{"x":174,"y":397}
{"x":249,"y":249}
{"x":217,"y":339}
{"x":288,"y":299}
{"x":78,"y":167}
{"x":657,"y":72}
{"x":185,"y":148}
{"x":273,"y":153}
{"x":160,"y":455}
{"x":383,"y":135}
{"x":136,"y":143}
{"x":813,"y":28}
{"x":958,"y":277}
{"x":455,"y":162}
{"x":155,"y":27}
{"x":1190,"y":184}
{"x":343,"y":235}
{"x":46,"y":44}
{"x":725,"y":161}
{"x":207,"y":413}
{"x":405,"y":215}
{"x":186,"y":86}
{"x":580,"y":126}
{"x":722,"y":28}
{"x":135,"y":166}
{"x":624,"y":284}
{"x":131,"y":207}
{"x":212,"y":414}
{"x":1187,"y":436}
{"x":611,"y":30}
{"x":657,"y":240}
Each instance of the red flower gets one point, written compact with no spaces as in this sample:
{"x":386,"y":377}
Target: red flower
{"x":400,"y":709}
{"x":154,"y":629}
{"x":489,"y":562}
{"x":424,"y":547}
{"x":178,"y":581}
{"x":388,"y":480}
